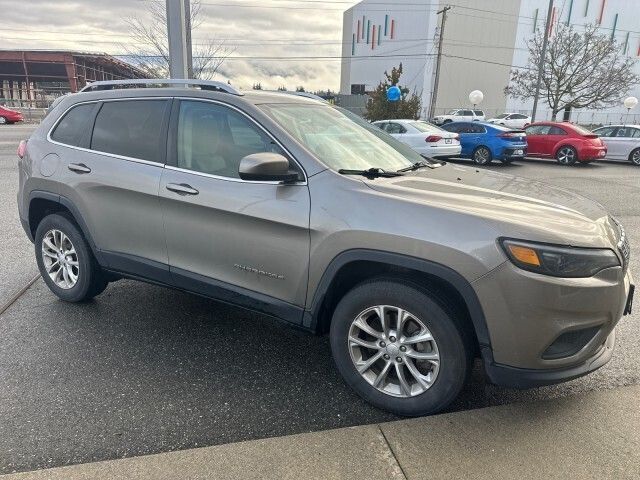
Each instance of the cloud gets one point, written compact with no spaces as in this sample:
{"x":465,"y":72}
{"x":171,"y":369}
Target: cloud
{"x":99,"y":26}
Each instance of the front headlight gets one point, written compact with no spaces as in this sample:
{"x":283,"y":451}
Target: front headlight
{"x":559,"y":261}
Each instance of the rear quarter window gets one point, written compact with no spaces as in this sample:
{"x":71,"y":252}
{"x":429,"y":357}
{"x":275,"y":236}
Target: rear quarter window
{"x":73,"y":125}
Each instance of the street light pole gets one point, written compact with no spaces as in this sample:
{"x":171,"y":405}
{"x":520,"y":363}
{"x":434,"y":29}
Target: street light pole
{"x":177,"y":35}
{"x":436,"y":81}
{"x":545,"y":41}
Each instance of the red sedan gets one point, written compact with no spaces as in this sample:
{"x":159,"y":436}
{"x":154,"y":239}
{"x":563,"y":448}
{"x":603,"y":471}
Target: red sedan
{"x":9,"y":116}
{"x":565,"y":142}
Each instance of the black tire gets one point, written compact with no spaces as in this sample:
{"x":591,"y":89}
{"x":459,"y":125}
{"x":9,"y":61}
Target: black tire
{"x":482,"y":155}
{"x":507,"y":161}
{"x":440,"y":318}
{"x":566,"y":155}
{"x":3,"y":120}
{"x":634,"y":157}
{"x":90,"y":279}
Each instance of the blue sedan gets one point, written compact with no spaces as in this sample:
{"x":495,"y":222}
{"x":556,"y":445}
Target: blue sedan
{"x":483,"y":142}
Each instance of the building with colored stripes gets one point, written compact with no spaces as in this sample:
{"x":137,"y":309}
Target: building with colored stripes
{"x":483,"y":40}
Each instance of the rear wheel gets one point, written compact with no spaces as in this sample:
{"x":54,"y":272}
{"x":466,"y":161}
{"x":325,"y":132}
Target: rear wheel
{"x":482,"y":156}
{"x":3,"y":120}
{"x":634,"y":157}
{"x":65,"y":260}
{"x":567,"y":155}
{"x":399,"y":347}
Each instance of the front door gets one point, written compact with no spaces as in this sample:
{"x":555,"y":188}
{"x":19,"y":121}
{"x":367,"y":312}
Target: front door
{"x":233,"y":236}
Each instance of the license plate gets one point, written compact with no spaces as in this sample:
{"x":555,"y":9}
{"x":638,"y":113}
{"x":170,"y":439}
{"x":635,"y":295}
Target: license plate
{"x":518,"y":152}
{"x":447,"y":140}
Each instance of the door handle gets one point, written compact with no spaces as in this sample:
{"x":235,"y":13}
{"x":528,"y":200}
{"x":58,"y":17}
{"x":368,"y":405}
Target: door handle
{"x":78,"y":168}
{"x":182,"y":189}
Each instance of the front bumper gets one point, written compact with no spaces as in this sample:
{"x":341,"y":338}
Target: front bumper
{"x":527,"y":314}
{"x":513,"y":377}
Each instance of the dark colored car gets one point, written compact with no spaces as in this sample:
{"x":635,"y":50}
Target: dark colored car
{"x":565,"y":142}
{"x":484,"y":142}
{"x":9,"y":116}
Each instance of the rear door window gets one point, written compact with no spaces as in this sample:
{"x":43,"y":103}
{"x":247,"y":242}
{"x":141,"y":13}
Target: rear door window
{"x":131,"y":128}
{"x":71,"y":128}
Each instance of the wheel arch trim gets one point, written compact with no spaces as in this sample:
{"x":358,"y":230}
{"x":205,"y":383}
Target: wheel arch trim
{"x":442,"y":272}
{"x":75,"y":212}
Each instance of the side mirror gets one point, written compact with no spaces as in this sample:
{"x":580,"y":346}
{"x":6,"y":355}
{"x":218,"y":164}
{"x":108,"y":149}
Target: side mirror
{"x":266,"y":166}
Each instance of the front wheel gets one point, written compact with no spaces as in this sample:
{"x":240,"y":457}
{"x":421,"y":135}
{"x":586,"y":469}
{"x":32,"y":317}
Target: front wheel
{"x":3,"y":120}
{"x":399,"y":347}
{"x":567,"y":155}
{"x":65,"y":260}
{"x":482,"y":156}
{"x":634,"y":157}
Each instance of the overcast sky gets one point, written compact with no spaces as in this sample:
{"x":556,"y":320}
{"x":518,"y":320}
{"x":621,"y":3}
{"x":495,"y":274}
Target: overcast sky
{"x":255,"y":28}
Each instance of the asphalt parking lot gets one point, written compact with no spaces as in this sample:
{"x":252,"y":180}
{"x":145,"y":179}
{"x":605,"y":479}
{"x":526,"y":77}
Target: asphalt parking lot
{"x":143,"y":369}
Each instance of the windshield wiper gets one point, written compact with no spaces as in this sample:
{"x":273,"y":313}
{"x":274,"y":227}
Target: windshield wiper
{"x":370,"y":173}
{"x":416,"y":166}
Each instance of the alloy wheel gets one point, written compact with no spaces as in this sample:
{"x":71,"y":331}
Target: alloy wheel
{"x":566,"y":155}
{"x":60,"y":259}
{"x":393,"y":351}
{"x":481,"y":156}
{"x":635,"y":157}
{"x":3,"y":120}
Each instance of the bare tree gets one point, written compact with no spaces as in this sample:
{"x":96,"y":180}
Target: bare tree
{"x":149,"y":48}
{"x":582,"y":69}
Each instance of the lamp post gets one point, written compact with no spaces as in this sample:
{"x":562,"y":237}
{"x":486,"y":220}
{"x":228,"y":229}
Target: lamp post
{"x":476,"y":98}
{"x":629,"y":103}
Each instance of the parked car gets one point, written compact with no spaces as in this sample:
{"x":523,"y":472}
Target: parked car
{"x":511,"y":120}
{"x":290,"y":207}
{"x":460,"y":115}
{"x":9,"y":116}
{"x":622,"y":141}
{"x":565,"y":142}
{"x":426,"y":139}
{"x":484,"y":142}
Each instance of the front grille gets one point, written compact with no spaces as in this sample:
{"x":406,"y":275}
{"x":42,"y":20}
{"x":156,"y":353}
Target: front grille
{"x":623,"y":244}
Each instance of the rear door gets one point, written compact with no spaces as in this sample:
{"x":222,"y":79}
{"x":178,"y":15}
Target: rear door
{"x":553,"y":140}
{"x":625,"y":140}
{"x":224,"y":233}
{"x":112,"y":177}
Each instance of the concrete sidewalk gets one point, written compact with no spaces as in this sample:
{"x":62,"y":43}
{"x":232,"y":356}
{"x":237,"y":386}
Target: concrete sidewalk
{"x":596,"y":435}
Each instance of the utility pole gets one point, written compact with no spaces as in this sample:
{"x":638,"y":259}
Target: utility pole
{"x":177,"y":34}
{"x":545,"y":41}
{"x":436,"y":81}
{"x":187,"y":17}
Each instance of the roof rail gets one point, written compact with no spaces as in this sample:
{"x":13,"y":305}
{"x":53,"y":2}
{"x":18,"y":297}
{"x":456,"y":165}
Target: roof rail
{"x":154,"y":82}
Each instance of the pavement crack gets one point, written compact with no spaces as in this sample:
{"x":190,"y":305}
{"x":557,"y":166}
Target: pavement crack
{"x":404,"y":474}
{"x":18,"y":294}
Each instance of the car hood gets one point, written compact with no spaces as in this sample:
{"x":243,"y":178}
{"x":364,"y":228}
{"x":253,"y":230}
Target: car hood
{"x":516,"y":207}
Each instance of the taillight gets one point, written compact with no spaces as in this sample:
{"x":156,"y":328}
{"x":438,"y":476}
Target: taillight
{"x":433,"y":138}
{"x":22,"y":148}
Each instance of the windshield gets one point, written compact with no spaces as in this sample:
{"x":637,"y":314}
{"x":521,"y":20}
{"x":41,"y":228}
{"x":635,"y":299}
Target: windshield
{"x":504,"y":115}
{"x":341,"y":139}
{"x":425,"y":126}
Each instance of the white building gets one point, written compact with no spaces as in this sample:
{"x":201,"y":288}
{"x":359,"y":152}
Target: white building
{"x":483,"y":39}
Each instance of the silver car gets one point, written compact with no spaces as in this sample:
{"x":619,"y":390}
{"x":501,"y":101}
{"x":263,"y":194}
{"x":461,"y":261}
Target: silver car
{"x":304,"y":212}
{"x":423,"y":137}
{"x":622,"y":141}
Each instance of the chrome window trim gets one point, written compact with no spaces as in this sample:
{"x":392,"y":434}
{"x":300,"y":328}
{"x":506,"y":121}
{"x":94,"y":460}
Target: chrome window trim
{"x":170,"y":167}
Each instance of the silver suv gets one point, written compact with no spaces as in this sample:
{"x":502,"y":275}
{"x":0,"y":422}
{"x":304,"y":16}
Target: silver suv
{"x":299,"y":210}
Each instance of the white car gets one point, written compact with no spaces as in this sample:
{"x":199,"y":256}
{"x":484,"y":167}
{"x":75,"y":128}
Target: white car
{"x":460,"y":115}
{"x":622,"y":141}
{"x":512,"y":120}
{"x":425,"y":138}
